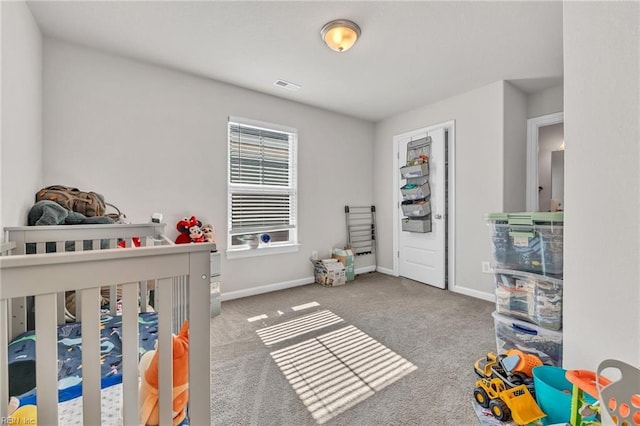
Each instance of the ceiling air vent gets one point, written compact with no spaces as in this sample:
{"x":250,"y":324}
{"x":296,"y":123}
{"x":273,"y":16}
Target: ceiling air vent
{"x":287,"y":85}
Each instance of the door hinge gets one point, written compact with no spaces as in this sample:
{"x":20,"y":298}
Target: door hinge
{"x":398,"y":155}
{"x":398,"y":254}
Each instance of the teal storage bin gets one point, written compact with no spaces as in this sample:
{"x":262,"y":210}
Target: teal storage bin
{"x":553,"y":394}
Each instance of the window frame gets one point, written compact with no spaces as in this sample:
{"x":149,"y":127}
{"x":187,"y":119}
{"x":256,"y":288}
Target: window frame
{"x":292,"y":245}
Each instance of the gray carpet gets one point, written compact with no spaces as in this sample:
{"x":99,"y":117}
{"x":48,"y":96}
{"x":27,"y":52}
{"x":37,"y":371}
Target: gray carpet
{"x":377,"y":351}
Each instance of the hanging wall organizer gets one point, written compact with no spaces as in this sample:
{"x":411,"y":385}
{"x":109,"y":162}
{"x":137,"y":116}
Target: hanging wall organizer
{"x":416,"y":193}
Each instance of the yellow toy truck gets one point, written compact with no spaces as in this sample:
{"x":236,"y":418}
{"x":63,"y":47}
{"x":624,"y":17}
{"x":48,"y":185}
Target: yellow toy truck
{"x":507,"y":403}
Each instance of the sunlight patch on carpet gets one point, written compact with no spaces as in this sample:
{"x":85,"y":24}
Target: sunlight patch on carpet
{"x":292,"y":309}
{"x":257,"y":318}
{"x":335,"y":371}
{"x":297,"y":327}
{"x":305,"y":306}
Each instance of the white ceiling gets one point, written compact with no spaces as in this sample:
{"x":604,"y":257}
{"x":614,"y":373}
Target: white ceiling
{"x":410,"y":54}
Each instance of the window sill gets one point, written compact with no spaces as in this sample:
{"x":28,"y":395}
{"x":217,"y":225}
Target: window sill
{"x":262,"y":251}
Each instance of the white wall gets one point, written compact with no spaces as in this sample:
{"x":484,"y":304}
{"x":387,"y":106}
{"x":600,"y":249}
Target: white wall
{"x":21,"y":143}
{"x":515,"y":149}
{"x":602,"y":183}
{"x":153,"y":139}
{"x":479,"y":166}
{"x":545,"y":102}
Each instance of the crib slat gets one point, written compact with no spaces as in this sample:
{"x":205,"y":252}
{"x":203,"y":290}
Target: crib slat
{"x":46,"y":350}
{"x":79,"y":246}
{"x":18,"y":316}
{"x":164,"y":297}
{"x":200,"y":347}
{"x":4,"y":367}
{"x":95,"y":245}
{"x":78,"y":301}
{"x":90,"y":354}
{"x":144,"y":294}
{"x":40,"y":247}
{"x":61,"y":305}
{"x":59,"y":246}
{"x":130,"y":338}
{"x":113,"y":300}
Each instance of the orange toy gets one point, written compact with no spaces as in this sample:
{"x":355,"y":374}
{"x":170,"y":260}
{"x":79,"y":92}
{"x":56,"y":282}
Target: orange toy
{"x":526,"y":363}
{"x":149,"y":414}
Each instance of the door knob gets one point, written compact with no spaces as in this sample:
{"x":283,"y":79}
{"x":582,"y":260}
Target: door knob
{"x":438,"y":216}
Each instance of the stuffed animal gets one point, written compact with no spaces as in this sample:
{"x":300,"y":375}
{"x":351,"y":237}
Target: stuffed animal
{"x":149,"y":379}
{"x":21,"y":414}
{"x":208,"y":230}
{"x":190,"y":229}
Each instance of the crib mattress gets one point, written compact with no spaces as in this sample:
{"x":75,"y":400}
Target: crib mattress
{"x":22,"y":359}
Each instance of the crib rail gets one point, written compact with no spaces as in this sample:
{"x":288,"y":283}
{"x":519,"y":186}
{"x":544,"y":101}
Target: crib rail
{"x":96,"y":234}
{"x":63,"y":238}
{"x":45,"y":275}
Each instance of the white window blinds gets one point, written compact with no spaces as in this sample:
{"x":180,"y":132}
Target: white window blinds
{"x":262,"y":180}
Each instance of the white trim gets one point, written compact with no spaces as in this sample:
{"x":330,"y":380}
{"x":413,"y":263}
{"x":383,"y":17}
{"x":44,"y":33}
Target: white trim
{"x":280,"y":286}
{"x":450,"y":127}
{"x":364,"y":269}
{"x":230,"y":295}
{"x":489,"y":297}
{"x":262,"y":251}
{"x":533,"y":124}
{"x":292,"y":190}
{"x":261,"y":125}
{"x":385,"y":271}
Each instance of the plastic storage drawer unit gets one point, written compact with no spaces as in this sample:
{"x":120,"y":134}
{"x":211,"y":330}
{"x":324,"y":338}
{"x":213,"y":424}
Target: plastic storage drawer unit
{"x":516,"y":334}
{"x":530,"y":297}
{"x":531,"y":242}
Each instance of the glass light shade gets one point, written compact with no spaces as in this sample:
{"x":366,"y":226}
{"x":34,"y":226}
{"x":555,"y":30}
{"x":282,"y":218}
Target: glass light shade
{"x":340,"y":35}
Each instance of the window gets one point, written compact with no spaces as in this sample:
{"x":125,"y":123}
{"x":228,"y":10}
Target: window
{"x":262,"y":188}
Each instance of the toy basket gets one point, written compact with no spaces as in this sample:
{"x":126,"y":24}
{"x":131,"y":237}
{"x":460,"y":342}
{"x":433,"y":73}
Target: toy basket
{"x":622,"y":397}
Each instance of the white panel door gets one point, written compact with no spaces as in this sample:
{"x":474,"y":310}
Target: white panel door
{"x":422,"y":255}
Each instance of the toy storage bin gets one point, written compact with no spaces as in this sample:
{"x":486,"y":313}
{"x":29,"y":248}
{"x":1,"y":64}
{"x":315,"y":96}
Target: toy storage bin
{"x":533,"y":298}
{"x":512,"y":333}
{"x":422,"y":224}
{"x":531,"y":242}
{"x":416,"y":208}
{"x":417,"y":170}
{"x":415,"y":192}
{"x":553,"y":394}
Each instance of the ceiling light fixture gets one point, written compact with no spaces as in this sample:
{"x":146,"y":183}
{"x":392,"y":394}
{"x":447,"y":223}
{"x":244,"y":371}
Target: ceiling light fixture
{"x":340,"y":34}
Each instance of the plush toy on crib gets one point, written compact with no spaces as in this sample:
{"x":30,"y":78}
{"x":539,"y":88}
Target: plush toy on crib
{"x":208,"y":230}
{"x":190,"y":229}
{"x":148,"y":400}
{"x":21,"y":414}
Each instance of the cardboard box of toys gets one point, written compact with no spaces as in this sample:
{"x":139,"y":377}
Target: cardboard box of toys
{"x":329,"y":272}
{"x":346,"y":258}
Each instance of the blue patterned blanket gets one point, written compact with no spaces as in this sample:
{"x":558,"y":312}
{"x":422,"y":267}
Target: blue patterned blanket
{"x":22,"y":358}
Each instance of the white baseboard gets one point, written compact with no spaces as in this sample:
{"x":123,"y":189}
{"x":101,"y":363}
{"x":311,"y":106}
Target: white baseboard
{"x":230,"y":295}
{"x":385,"y":271}
{"x":489,"y":297}
{"x":364,"y":269}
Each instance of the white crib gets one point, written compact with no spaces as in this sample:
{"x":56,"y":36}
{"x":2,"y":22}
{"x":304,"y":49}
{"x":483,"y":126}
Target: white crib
{"x":181,"y":274}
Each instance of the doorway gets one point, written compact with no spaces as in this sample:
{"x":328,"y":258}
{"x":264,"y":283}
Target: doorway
{"x":545,"y":186}
{"x":427,"y":257}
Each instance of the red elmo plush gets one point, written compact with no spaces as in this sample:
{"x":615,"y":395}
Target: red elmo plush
{"x":190,"y":230}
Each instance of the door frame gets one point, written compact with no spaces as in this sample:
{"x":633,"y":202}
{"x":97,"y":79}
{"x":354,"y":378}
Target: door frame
{"x":449,"y":215}
{"x":533,"y":124}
